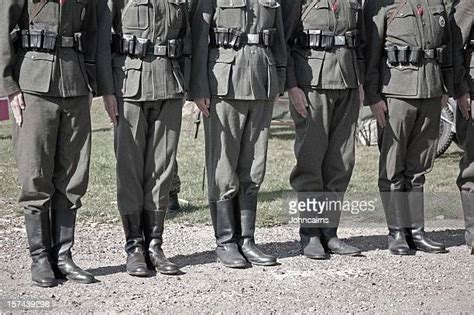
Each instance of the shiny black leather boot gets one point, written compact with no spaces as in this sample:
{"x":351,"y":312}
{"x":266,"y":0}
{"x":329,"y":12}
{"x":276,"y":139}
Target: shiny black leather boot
{"x":39,"y":240}
{"x":134,"y":245}
{"x":64,"y":223}
{"x":154,"y":225}
{"x":224,"y":223}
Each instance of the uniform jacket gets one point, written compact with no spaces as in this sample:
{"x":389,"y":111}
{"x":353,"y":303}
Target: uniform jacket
{"x":152,"y":77}
{"x":61,"y":73}
{"x":462,"y":29}
{"x":339,"y":68}
{"x":425,"y":27}
{"x":253,"y":72}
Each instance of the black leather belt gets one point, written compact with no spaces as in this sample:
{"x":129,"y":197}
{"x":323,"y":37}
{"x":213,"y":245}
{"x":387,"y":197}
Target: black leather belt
{"x":326,"y":40}
{"x":140,"y":47}
{"x":48,"y":41}
{"x":397,"y":55}
{"x":231,"y":38}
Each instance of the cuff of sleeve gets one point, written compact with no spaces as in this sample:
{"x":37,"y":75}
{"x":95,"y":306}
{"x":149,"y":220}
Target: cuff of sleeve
{"x":371,"y":99}
{"x":460,"y":89}
{"x":282,"y":78}
{"x":92,"y":76}
{"x":8,"y":87}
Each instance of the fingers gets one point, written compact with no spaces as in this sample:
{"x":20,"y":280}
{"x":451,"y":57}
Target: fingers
{"x":204,"y":105}
{"x":17,"y":106}
{"x":301,"y":109}
{"x":465,"y":107}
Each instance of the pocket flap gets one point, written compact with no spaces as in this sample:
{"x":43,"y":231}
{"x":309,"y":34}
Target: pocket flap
{"x":141,"y":2}
{"x":231,"y":3}
{"x":312,"y":54}
{"x":439,"y":9}
{"x":273,"y":4}
{"x":321,"y":5}
{"x":36,"y":55}
{"x":177,"y":2}
{"x":222,"y":55}
{"x":405,"y":11}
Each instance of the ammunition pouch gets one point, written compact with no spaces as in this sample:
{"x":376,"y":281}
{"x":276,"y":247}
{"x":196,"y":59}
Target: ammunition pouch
{"x":326,"y":40}
{"x":230,"y":38}
{"x":405,"y":55}
{"x":45,"y":41}
{"x":142,"y":47}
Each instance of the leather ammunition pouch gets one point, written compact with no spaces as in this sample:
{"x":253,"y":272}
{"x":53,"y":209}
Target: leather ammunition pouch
{"x":230,"y":38}
{"x":326,"y":40}
{"x":141,"y":47}
{"x":45,"y":41}
{"x":405,"y":55}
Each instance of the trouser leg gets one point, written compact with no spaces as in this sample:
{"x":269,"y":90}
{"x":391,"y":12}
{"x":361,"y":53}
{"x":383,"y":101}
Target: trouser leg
{"x":35,"y":149}
{"x":465,"y":181}
{"x":164,"y":124}
{"x":130,"y":147}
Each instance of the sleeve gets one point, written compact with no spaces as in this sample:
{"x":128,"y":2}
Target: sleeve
{"x":375,"y":17}
{"x":90,"y":43}
{"x":279,"y":50}
{"x":10,"y":12}
{"x":461,"y":20}
{"x":291,"y":19}
{"x":105,"y":80}
{"x":187,"y":50}
{"x":201,"y":15}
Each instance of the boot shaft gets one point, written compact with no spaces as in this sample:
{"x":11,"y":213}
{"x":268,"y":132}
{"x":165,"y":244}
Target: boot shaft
{"x":38,"y":230}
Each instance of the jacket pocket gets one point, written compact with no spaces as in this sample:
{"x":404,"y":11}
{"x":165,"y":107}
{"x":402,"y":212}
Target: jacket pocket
{"x":400,"y":80}
{"x":136,"y":15}
{"x":403,"y":23}
{"x":220,"y":70}
{"x":268,"y":12}
{"x":34,"y":71}
{"x":308,"y":67}
{"x":318,"y":17}
{"x":231,"y":13}
{"x":127,"y":76}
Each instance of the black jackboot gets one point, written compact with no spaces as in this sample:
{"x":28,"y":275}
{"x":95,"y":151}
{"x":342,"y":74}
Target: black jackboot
{"x":173,"y":203}
{"x":468,"y":209}
{"x":398,"y":218}
{"x":336,"y":246}
{"x":417,"y":239}
{"x":134,"y":246}
{"x":224,"y":223}
{"x":154,"y":224}
{"x":311,"y":245}
{"x":64,"y":223}
{"x":248,"y":211}
{"x":39,"y":241}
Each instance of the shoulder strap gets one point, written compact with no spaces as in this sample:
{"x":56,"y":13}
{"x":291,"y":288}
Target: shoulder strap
{"x":308,"y":9}
{"x":394,"y":14}
{"x":37,"y":7}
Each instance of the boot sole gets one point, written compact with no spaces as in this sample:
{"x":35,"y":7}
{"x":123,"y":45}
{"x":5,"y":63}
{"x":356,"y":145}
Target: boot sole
{"x":434,"y":251}
{"x":267,"y":264}
{"x":138,"y":274}
{"x":169,"y":273}
{"x":409,"y":253}
{"x":358,"y":254}
{"x":45,"y":285}
{"x":325,"y":257}
{"x":234,"y":266}
{"x":82,"y":281}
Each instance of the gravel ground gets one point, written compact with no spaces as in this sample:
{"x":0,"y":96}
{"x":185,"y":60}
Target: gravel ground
{"x":377,"y":282}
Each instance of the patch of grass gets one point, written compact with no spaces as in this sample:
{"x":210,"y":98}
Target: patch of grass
{"x":100,"y":202}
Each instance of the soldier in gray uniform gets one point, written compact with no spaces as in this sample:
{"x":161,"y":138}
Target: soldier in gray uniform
{"x":49,"y":81}
{"x":238,"y":69}
{"x":462,"y":28}
{"x":409,"y":69}
{"x":143,"y":86}
{"x":325,"y":69}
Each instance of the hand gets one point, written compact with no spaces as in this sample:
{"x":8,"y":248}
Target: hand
{"x":379,"y":110}
{"x":298,"y":99}
{"x":17,"y":104}
{"x":444,"y":101}
{"x":203,"y":103}
{"x":464,"y":104}
{"x":111,"y":106}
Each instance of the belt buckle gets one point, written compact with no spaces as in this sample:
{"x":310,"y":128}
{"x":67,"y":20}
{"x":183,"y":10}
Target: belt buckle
{"x":253,"y":39}
{"x":339,"y":40}
{"x":430,"y":54}
{"x":66,"y":41}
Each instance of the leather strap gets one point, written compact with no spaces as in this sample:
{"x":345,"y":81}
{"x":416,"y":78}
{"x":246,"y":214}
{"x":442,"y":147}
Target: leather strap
{"x":37,"y":7}
{"x":308,"y":9}
{"x":394,"y":14}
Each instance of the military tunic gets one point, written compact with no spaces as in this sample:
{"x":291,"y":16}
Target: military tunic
{"x":52,"y":147}
{"x":242,"y":84}
{"x":412,"y":91}
{"x":150,"y":91}
{"x":462,"y":28}
{"x":330,"y":77}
